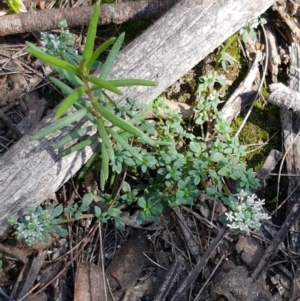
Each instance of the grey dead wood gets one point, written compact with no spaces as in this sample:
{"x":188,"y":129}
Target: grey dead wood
{"x":190,"y":239}
{"x":288,"y":99}
{"x":285,"y":98}
{"x":193,"y":274}
{"x":277,"y":240}
{"x":169,"y":280}
{"x":245,"y":94}
{"x":31,"y":276}
{"x":31,"y":171}
{"x":270,"y":163}
{"x":295,"y":290}
{"x":290,"y":123}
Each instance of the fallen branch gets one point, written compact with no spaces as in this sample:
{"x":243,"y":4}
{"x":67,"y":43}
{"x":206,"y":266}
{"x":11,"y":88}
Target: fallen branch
{"x":244,"y":94}
{"x":283,"y":97}
{"x":118,"y":13}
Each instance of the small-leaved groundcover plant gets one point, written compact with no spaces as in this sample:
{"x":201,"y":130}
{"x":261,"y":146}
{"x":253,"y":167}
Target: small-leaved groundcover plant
{"x":171,"y":161}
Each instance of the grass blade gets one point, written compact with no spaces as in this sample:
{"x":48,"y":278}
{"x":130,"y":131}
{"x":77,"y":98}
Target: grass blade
{"x":61,"y":123}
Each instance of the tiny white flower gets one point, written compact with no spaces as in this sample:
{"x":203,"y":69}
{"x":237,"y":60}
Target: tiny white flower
{"x":246,"y":214}
{"x":230,"y":216}
{"x":233,"y":226}
{"x":260,"y":202}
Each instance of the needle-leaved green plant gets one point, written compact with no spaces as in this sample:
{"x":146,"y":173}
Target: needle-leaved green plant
{"x":88,"y":94}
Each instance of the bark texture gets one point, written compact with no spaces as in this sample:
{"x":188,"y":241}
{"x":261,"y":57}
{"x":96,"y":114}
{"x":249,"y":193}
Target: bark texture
{"x":31,"y":171}
{"x":117,"y":13}
{"x":284,"y":97}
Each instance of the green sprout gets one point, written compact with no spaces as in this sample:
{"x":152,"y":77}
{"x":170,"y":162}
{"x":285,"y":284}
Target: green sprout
{"x":17,"y":6}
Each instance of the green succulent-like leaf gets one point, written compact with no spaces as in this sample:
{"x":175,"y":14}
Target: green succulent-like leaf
{"x":77,"y":147}
{"x":70,"y":76}
{"x":86,"y":201}
{"x":59,"y":231}
{"x":90,"y":163}
{"x":74,"y":135}
{"x":103,"y":84}
{"x":69,"y":101}
{"x":216,"y":157}
{"x":119,"y":225}
{"x":98,"y":211}
{"x":99,"y":51}
{"x":65,"y":89}
{"x":112,"y":57}
{"x":36,"y":52}
{"x":59,"y":124}
{"x":92,"y":31}
{"x":56,"y":221}
{"x":114,"y":212}
{"x":142,"y":203}
{"x":105,"y":140}
{"x":132,"y":82}
{"x":80,"y":104}
{"x":104,"y":167}
{"x":117,"y":121}
{"x":57,"y":211}
{"x":195,"y":147}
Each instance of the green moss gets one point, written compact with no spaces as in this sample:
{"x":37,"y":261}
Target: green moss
{"x":262,"y":124}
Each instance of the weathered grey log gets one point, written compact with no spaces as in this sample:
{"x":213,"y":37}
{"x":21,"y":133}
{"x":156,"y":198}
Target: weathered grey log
{"x":31,"y":171}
